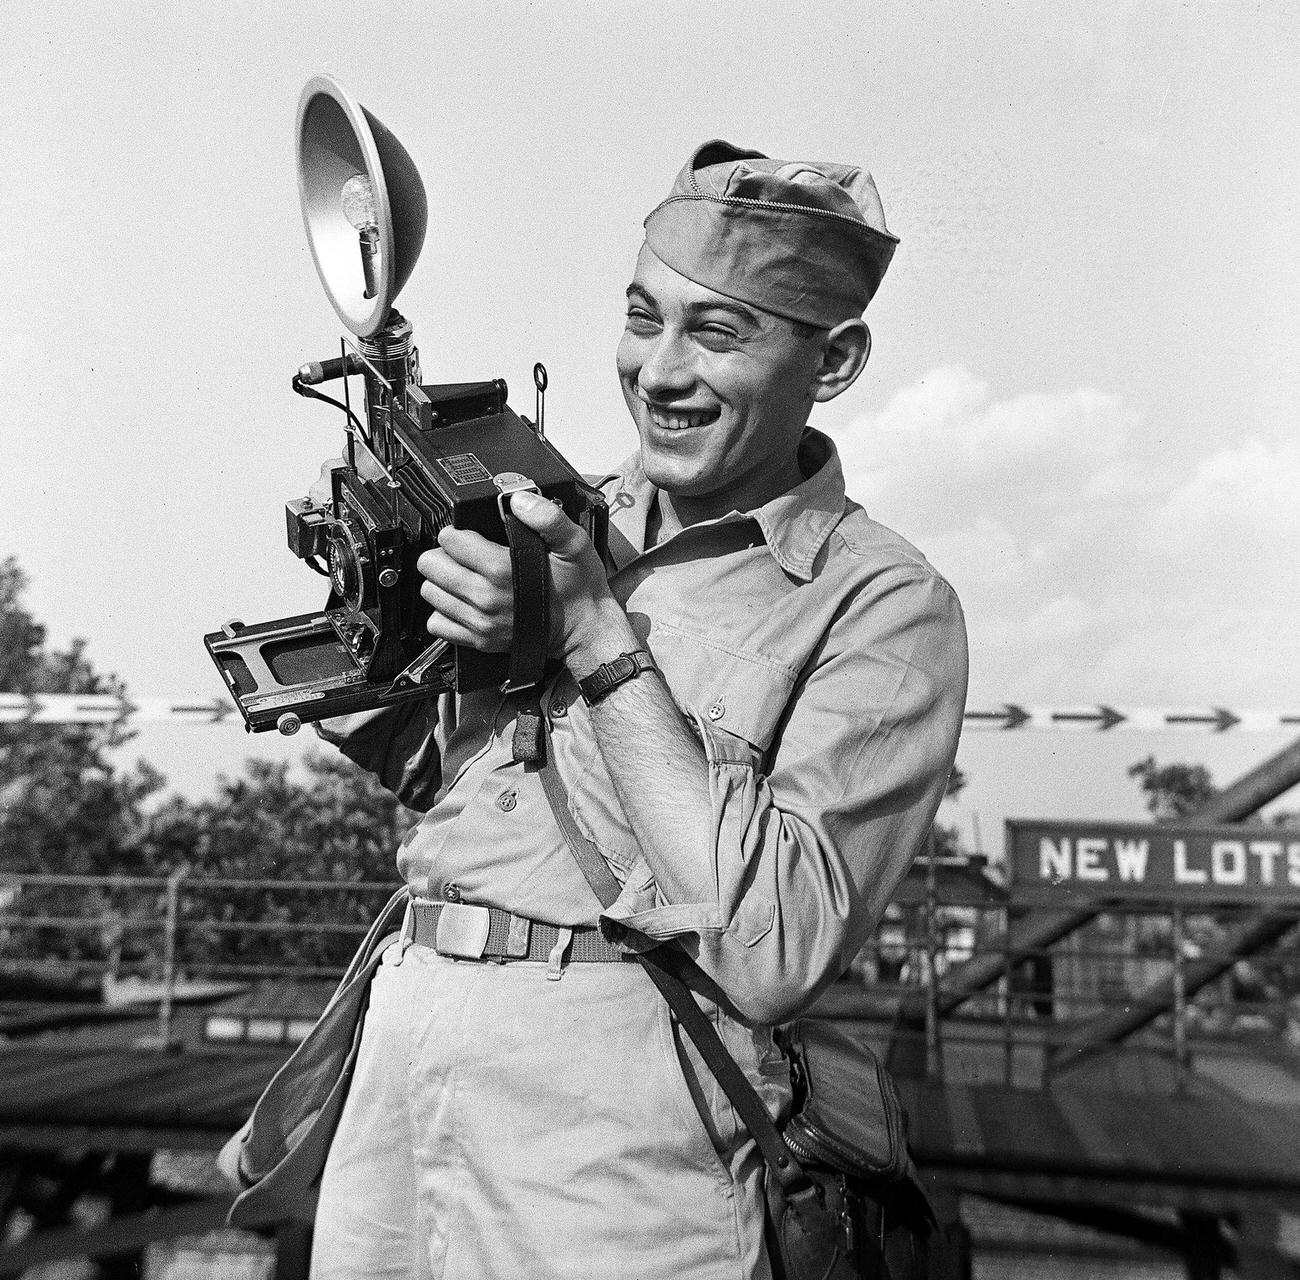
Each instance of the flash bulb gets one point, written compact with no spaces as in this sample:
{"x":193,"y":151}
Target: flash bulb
{"x":358,"y":200}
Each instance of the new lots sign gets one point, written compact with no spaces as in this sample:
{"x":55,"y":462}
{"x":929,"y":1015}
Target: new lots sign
{"x":1055,"y":861}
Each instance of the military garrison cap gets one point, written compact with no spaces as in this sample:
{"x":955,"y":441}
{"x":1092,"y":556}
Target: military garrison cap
{"x":802,"y":239}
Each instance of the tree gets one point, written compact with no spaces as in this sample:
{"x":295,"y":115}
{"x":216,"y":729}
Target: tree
{"x":1173,"y":791}
{"x":337,"y":826}
{"x":947,"y":839}
{"x":957,"y":781}
{"x":66,"y":809}
{"x":63,"y":805}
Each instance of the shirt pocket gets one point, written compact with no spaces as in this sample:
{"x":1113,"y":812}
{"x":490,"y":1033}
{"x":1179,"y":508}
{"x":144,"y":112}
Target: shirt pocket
{"x":739,"y":692}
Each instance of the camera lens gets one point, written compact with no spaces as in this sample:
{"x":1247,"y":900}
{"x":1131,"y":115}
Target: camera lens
{"x":349,"y":561}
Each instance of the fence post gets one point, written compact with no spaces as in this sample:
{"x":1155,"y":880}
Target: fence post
{"x":165,"y":1040}
{"x":933,"y":1038}
{"x":1008,"y":995}
{"x":1181,"y":1056}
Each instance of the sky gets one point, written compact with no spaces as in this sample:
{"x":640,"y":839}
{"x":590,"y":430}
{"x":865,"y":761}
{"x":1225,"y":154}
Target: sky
{"x":1080,"y":400}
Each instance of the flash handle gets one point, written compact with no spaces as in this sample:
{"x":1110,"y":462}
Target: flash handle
{"x":318,"y":371}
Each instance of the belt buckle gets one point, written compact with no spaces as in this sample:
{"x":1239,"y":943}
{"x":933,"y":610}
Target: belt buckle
{"x":462,"y":931}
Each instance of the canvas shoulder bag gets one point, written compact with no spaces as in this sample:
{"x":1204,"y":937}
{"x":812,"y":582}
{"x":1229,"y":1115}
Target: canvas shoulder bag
{"x":276,"y":1159}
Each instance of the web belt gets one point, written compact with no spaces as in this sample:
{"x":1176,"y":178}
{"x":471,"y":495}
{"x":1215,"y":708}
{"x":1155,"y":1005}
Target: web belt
{"x":469,"y":932}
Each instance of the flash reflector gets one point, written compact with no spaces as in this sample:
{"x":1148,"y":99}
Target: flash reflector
{"x":347,"y":159}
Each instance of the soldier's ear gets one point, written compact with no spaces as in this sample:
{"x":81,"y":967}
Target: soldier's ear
{"x":845,"y":350}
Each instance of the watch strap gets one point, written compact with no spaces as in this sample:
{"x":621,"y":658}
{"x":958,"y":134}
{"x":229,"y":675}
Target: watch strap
{"x":609,"y":675}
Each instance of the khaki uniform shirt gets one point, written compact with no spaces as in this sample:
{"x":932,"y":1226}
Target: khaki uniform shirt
{"x":822,"y":663}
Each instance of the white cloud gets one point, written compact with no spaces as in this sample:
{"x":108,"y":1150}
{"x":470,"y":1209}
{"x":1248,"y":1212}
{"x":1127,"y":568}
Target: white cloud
{"x":1090,"y":569}
{"x":1240,"y":506}
{"x":946,"y":433}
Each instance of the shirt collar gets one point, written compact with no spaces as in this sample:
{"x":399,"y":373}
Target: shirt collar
{"x":795,"y":525}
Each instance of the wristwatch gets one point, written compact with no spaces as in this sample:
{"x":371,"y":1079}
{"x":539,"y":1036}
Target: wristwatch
{"x":609,"y":675}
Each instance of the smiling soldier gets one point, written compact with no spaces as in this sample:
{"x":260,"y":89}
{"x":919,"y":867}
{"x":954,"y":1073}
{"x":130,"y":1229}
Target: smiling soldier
{"x":754,"y":713}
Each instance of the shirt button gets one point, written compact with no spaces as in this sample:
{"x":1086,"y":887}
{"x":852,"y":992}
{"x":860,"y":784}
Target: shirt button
{"x":507,"y":800}
{"x":717,"y":710}
{"x":451,"y":893}
{"x":559,"y":709}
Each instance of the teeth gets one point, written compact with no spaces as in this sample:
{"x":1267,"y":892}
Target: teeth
{"x":677,"y":421}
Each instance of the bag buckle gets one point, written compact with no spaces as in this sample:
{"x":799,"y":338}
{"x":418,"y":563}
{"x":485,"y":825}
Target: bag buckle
{"x":462,"y":931}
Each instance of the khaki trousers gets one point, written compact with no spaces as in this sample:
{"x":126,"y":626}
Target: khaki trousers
{"x":501,"y":1124}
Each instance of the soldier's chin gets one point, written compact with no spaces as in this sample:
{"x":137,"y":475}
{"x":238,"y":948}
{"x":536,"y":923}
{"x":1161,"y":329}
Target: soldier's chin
{"x":679,"y":476}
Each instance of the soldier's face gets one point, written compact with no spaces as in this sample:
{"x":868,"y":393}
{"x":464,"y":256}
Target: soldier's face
{"x":720,"y":391}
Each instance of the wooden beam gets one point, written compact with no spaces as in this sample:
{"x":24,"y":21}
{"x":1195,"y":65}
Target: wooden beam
{"x":1112,"y":1220}
{"x":1207,"y":1197}
{"x":108,"y":1137}
{"x":128,"y":1234}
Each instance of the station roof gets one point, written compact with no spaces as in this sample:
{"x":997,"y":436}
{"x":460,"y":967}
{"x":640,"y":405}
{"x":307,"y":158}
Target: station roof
{"x":70,"y":1078}
{"x":119,"y":1098}
{"x":1199,"y":1145}
{"x":957,"y":883}
{"x":1194,"y":1150}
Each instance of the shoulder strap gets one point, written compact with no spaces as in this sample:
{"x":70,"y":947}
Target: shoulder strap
{"x":530,"y":580}
{"x":666,"y":967}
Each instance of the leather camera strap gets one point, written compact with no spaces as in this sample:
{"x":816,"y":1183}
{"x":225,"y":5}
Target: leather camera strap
{"x":531,"y":580}
{"x":666,"y":967}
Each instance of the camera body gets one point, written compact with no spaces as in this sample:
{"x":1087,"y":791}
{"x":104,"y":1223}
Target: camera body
{"x":434,"y":455}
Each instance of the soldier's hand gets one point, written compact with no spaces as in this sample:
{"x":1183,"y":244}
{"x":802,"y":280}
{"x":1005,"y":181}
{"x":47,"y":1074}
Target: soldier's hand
{"x":468,"y":585}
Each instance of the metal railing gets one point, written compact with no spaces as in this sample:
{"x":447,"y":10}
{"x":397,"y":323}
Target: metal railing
{"x":90,"y":927}
{"x":78,"y":931}
{"x":1141,"y":963}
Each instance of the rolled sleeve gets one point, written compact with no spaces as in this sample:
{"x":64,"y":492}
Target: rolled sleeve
{"x":801,"y":860}
{"x":399,"y":745}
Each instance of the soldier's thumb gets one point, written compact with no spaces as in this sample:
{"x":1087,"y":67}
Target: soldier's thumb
{"x":546,"y":519}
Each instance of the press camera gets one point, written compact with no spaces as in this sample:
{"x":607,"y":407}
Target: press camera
{"x":418,"y":457}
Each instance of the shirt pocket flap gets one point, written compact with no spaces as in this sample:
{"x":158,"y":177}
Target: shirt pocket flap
{"x":743,"y":694}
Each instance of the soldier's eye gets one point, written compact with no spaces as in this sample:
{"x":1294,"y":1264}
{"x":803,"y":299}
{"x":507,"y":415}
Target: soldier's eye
{"x":716,"y":337}
{"x":641,"y":321}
